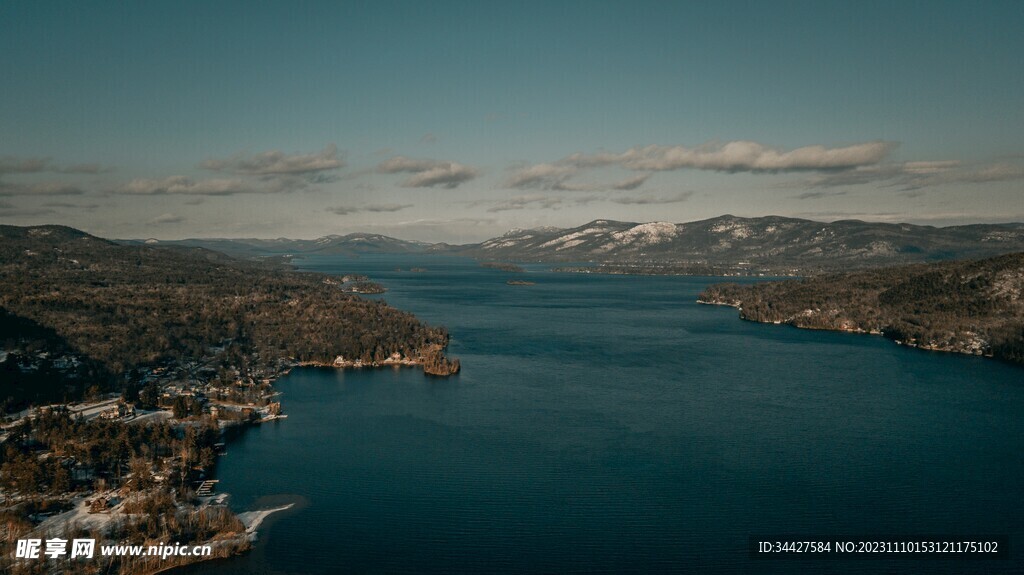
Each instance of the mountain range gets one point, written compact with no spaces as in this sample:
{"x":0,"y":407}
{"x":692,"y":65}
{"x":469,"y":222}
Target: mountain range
{"x":349,"y":244}
{"x":770,"y":243}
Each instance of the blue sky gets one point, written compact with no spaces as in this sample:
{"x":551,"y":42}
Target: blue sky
{"x":455,"y":121}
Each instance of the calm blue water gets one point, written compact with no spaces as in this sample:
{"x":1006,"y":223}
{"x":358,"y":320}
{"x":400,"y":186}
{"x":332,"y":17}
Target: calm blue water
{"x":611,"y":424}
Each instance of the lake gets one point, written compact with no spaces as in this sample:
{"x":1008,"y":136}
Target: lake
{"x":611,"y":424}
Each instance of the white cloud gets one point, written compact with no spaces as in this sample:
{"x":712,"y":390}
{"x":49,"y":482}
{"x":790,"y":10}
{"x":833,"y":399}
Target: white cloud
{"x":541,"y":176}
{"x":555,"y":177}
{"x":738,"y":156}
{"x":40,"y":189}
{"x":447,"y":176}
{"x":441,"y":223}
{"x":931,"y":167}
{"x":402,"y":164}
{"x":646,"y":199}
{"x":12,"y":165}
{"x":372,"y":208}
{"x":69,"y":205}
{"x":13,"y":212}
{"x":524,"y":202}
{"x":186,"y":186}
{"x":818,"y":194}
{"x":277,"y":163}
{"x":631,"y":183}
{"x":991,"y":173}
{"x":911,"y":176}
{"x":167,"y":219}
{"x":84,"y":169}
{"x":428,"y":173}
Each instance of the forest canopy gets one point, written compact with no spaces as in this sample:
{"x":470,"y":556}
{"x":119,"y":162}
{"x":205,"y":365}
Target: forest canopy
{"x":973,"y":306}
{"x":124,"y":306}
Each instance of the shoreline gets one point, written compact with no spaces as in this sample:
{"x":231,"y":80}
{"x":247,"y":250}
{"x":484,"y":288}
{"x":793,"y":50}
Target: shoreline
{"x":860,"y":331}
{"x":359,"y":364}
{"x":253,"y":519}
{"x":438,"y":365}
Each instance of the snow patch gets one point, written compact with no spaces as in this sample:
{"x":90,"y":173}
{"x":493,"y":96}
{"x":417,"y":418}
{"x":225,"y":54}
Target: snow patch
{"x":489,"y":244}
{"x":570,"y":244}
{"x":647,"y":234}
{"x":1009,"y":283}
{"x":570,"y":237}
{"x":881,"y":249}
{"x":735,"y":229}
{"x":999,"y":237}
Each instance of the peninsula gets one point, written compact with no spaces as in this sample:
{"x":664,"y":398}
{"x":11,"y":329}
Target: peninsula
{"x":122,"y":364}
{"x":974,"y":307}
{"x":503,"y":266}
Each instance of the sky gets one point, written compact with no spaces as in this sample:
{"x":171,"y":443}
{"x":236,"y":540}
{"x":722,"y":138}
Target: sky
{"x":457,"y":121}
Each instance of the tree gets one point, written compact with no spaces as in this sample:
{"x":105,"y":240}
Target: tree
{"x":61,"y":480}
{"x":180,"y":408}
{"x":142,"y":473}
{"x":149,"y":396}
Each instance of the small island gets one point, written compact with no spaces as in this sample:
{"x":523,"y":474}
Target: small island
{"x":503,"y":266}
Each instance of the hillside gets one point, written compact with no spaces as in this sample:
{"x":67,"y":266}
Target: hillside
{"x":973,"y":307}
{"x":130,"y":305}
{"x":769,"y":244}
{"x":37,"y":366}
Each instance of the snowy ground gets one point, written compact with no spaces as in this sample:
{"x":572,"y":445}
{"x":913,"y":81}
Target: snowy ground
{"x":80,"y":516}
{"x":253,"y":519}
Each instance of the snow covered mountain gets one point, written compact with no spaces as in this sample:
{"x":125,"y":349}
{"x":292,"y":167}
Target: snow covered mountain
{"x":770,"y":240}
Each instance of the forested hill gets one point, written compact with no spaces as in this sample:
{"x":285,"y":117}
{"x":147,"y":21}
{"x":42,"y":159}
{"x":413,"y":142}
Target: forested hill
{"x":971,"y":306}
{"x":131,"y":305}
